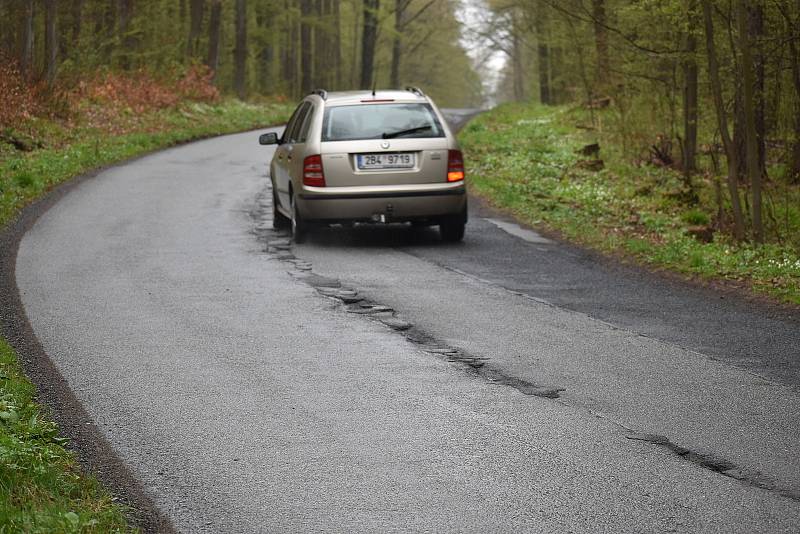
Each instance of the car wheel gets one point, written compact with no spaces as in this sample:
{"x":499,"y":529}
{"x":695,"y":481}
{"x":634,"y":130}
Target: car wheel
{"x":299,"y":227}
{"x":279,"y":220}
{"x":452,"y":230}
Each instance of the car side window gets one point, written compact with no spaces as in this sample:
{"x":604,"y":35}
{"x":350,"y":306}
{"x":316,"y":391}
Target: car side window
{"x":293,"y":135}
{"x":303,"y":135}
{"x":290,"y":125}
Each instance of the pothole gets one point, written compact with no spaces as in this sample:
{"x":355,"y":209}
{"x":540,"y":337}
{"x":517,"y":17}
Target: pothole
{"x":719,"y":465}
{"x":279,"y":246}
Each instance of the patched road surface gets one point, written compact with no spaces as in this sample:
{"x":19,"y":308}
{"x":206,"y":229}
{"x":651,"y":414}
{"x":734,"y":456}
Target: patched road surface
{"x":375,"y":379}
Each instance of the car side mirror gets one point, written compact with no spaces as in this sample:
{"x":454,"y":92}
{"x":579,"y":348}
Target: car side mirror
{"x":270,"y":138}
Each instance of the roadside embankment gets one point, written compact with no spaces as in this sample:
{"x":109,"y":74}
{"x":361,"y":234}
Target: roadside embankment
{"x":547,"y":168}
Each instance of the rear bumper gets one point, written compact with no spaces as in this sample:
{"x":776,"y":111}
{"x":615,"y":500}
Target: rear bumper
{"x":395,"y":203}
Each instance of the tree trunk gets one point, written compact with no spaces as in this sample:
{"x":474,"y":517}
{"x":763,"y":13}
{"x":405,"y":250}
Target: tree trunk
{"x":543,"y":56}
{"x":601,"y":41}
{"x":26,"y":58}
{"x":50,"y":44}
{"x":368,"y":39}
{"x":124,"y":10}
{"x":756,"y":31}
{"x":795,"y":60}
{"x":321,"y":35}
{"x":77,"y":14}
{"x":337,"y":43}
{"x":240,"y":52}
{"x":306,"y":52}
{"x":722,"y":121}
{"x":196,"y":8}
{"x":690,"y":97}
{"x":749,"y":110}
{"x":399,"y":12}
{"x":214,"y":37}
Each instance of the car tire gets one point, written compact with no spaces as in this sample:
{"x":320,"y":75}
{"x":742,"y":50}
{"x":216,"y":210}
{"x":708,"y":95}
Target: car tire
{"x":299,"y":226}
{"x":452,"y":230}
{"x":279,"y":220}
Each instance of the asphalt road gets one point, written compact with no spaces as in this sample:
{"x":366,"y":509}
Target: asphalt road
{"x":509,"y":383}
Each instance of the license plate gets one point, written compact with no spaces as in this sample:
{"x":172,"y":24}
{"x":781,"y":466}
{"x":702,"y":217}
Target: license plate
{"x":386,"y":161}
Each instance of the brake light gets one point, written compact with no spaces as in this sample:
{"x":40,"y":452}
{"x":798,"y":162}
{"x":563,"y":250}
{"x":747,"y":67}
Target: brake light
{"x":313,"y":174}
{"x":455,"y":166}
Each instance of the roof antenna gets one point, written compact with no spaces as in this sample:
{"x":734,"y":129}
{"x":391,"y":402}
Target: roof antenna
{"x":373,"y":88}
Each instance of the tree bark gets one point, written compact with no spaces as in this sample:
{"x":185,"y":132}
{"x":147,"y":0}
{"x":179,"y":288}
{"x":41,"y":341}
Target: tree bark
{"x":601,"y":41}
{"x":690,"y":96}
{"x":50,"y":42}
{"x":795,"y":60}
{"x":306,"y":52}
{"x":368,"y":39}
{"x":321,"y":36}
{"x":26,"y":58}
{"x":722,"y":121}
{"x":543,"y":56}
{"x":749,"y":110}
{"x":399,"y":15}
{"x":196,"y":8}
{"x":214,"y":37}
{"x":337,"y":43}
{"x":124,"y":12}
{"x":77,"y":14}
{"x":240,"y":51}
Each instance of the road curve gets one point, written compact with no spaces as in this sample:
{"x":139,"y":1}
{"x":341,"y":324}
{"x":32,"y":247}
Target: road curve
{"x":245,"y":395}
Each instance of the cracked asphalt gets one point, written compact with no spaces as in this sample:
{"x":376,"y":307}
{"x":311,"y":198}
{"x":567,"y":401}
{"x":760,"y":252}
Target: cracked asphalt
{"x":374,"y":379}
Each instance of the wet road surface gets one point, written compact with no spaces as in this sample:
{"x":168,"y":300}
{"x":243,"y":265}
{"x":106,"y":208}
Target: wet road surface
{"x":375,"y":379}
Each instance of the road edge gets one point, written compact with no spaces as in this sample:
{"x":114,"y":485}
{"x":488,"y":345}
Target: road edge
{"x":94,"y":453}
{"x":92,"y":450}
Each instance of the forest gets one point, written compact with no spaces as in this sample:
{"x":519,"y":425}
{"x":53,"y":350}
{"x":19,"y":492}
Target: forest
{"x":250,"y":47}
{"x":706,"y":87}
{"x":666,"y":132}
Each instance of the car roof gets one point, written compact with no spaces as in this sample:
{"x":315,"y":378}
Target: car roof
{"x":342,"y":98}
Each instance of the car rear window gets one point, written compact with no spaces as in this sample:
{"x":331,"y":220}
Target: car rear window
{"x":380,"y":121}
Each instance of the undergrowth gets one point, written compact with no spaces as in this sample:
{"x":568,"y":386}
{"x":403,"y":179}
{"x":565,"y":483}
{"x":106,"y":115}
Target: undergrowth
{"x":526,"y":158}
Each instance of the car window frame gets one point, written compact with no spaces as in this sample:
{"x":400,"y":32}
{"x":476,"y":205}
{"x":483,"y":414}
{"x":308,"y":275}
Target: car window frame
{"x":290,"y":124}
{"x":298,"y":123}
{"x":302,"y":136}
{"x":433,"y":115}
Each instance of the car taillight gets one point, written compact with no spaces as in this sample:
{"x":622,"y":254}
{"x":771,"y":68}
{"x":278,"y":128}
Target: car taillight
{"x":313,"y":174}
{"x":455,"y":166}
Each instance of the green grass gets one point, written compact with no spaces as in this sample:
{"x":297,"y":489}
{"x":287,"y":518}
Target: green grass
{"x":523,"y":158}
{"x":42,"y":489}
{"x":26,"y":176}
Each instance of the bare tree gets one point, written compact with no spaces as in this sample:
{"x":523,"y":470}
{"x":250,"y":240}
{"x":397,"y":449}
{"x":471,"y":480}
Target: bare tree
{"x":26,"y":58}
{"x":722,"y":121}
{"x":77,"y":19}
{"x":196,"y":9}
{"x":401,"y":21}
{"x":690,"y":94}
{"x":306,"y":51}
{"x":368,"y":39}
{"x":601,"y":40}
{"x":124,"y":13}
{"x":214,"y":37}
{"x":50,"y":42}
{"x":240,"y":51}
{"x":751,"y":140}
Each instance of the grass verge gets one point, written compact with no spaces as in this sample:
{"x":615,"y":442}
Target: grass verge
{"x":525,"y":158}
{"x":42,"y":488}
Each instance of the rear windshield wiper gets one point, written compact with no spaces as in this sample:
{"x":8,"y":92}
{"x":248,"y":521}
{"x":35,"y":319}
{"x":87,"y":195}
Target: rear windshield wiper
{"x":406,"y":132}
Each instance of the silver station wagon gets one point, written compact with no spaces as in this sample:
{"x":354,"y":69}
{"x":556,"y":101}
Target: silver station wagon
{"x":373,"y":157}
